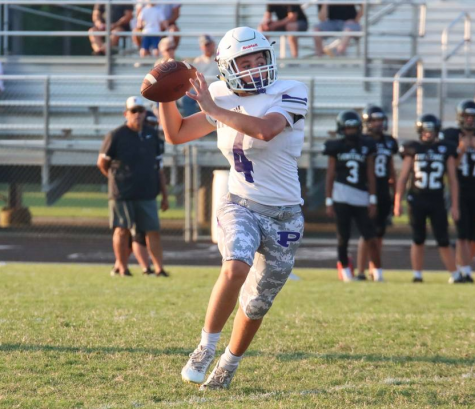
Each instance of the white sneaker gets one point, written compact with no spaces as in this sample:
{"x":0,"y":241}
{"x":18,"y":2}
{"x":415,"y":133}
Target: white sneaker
{"x":220,"y":378}
{"x":195,"y":369}
{"x":378,"y":276}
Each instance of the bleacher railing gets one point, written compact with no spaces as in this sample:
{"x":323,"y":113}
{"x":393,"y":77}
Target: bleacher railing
{"x":418,"y":23}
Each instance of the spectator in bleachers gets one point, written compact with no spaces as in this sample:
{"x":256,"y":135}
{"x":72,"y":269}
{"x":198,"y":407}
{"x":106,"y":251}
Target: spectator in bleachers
{"x":150,"y":20}
{"x":167,"y":48}
{"x":205,"y":64}
{"x":337,"y":18}
{"x":120,"y":21}
{"x":171,"y":13}
{"x":289,"y":18}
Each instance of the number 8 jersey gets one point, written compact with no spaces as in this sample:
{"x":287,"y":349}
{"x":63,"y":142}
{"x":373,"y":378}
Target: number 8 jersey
{"x":430,"y":165}
{"x":265,"y":172}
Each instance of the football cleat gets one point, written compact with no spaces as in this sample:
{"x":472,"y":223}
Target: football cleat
{"x":459,"y":279}
{"x":220,"y":378}
{"x":361,"y":277}
{"x":195,"y":369}
{"x":417,"y":280}
{"x":468,"y":279}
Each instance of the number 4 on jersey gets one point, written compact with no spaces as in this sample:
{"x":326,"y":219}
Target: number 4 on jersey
{"x":241,"y":163}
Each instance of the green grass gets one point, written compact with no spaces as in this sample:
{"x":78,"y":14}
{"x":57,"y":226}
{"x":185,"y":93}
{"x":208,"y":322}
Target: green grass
{"x":84,"y":205}
{"x":72,"y":337}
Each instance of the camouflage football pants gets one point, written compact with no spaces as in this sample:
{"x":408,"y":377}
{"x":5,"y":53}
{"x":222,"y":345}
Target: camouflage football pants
{"x":267,"y":244}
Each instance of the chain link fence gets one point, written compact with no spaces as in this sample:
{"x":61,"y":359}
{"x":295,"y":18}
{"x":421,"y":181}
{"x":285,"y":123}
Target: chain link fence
{"x":51,"y":129}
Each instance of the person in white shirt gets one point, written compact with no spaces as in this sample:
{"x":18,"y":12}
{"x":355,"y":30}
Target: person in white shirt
{"x":150,"y":21}
{"x":260,"y":128}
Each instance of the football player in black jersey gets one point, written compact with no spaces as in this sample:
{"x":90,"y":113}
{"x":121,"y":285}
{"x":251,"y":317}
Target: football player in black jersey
{"x":464,"y":138}
{"x":427,"y":160}
{"x":375,"y":123}
{"x":351,"y":189}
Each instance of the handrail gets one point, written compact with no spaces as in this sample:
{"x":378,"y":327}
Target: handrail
{"x":52,"y":16}
{"x":417,"y":87}
{"x":446,"y":54}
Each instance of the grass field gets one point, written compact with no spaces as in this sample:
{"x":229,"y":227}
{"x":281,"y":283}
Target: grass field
{"x":73,"y":337}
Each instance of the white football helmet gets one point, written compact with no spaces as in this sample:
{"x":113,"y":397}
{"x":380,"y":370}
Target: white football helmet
{"x":236,"y":43}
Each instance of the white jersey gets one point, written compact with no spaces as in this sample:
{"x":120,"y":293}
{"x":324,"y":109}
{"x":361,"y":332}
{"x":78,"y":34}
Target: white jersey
{"x":265,"y":172}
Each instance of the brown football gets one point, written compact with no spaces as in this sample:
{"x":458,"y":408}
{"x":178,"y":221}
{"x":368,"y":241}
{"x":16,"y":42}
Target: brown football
{"x":168,"y":81}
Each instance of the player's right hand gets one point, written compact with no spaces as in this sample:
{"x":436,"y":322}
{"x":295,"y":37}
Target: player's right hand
{"x":397,"y":209}
{"x":330,"y":211}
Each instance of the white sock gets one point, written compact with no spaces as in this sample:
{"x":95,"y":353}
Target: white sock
{"x":347,"y":274}
{"x":378,"y":274}
{"x":417,"y":274}
{"x":229,"y":361}
{"x":466,"y":270}
{"x":209,"y":340}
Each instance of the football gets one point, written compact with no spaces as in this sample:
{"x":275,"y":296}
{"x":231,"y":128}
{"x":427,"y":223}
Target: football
{"x":168,"y":81}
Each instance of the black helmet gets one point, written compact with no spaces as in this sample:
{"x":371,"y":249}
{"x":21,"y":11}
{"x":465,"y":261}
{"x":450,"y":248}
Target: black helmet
{"x":374,"y":112}
{"x":466,"y":107}
{"x":428,"y":122}
{"x":348,"y":119}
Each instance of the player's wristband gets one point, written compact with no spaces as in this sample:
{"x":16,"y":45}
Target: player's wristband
{"x":373,"y":199}
{"x":328,"y":201}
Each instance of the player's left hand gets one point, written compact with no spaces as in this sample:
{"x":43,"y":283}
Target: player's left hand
{"x":164,"y":204}
{"x":372,"y":211}
{"x":455,"y":213}
{"x":203,"y":96}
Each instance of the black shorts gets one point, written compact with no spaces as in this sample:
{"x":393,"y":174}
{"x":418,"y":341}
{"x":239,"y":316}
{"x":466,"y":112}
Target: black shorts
{"x":385,"y":205}
{"x":345,"y":213}
{"x":466,"y":222}
{"x":421,"y":208}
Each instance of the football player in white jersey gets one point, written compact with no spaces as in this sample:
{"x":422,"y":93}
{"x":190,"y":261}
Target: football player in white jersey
{"x":260,"y":127}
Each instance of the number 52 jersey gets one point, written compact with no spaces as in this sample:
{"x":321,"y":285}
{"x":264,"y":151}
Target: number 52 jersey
{"x":430,"y":165}
{"x":265,"y":172}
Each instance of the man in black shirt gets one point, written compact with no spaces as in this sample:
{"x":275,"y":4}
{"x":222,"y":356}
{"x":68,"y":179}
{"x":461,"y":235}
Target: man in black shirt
{"x":464,"y":138}
{"x":289,"y":18}
{"x":337,"y":18}
{"x":427,"y":160}
{"x":350,"y":189}
{"x":131,"y":158}
{"x":120,"y":21}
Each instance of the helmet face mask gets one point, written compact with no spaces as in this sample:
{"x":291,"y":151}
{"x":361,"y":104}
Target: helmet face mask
{"x":428,"y":127}
{"x":466,"y":110}
{"x":375,"y":120}
{"x":239,"y":42}
{"x":349,"y":125}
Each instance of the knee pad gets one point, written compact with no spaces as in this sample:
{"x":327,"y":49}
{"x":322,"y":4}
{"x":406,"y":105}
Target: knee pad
{"x":418,"y":238}
{"x":443,"y":242}
{"x":139,"y":237}
{"x":256,"y":308}
{"x":257,"y":297}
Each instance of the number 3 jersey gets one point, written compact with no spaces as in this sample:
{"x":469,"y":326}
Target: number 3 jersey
{"x":265,"y":172}
{"x":430,"y":165}
{"x":351,"y":181}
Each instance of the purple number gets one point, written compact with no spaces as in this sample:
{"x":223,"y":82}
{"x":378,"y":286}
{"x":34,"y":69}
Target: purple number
{"x":241,"y":163}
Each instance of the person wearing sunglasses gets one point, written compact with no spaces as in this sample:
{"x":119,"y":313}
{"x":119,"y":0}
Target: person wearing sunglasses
{"x":131,"y":159}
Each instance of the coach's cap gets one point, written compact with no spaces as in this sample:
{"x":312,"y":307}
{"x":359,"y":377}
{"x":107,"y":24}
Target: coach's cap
{"x":133,"y":102}
{"x":205,"y":39}
{"x":166,"y":43}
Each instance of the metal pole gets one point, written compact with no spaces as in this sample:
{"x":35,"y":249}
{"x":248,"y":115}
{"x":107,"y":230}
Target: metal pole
{"x":415,"y":29}
{"x":420,"y":87}
{"x":468,"y":38}
{"x":311,"y":141}
{"x":108,"y":43}
{"x":237,"y":15}
{"x":5,"y":28}
{"x":196,"y":188}
{"x":46,"y":135}
{"x":188,"y":187}
{"x":396,"y":90}
{"x":365,"y":44}
{"x":443,"y":76}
